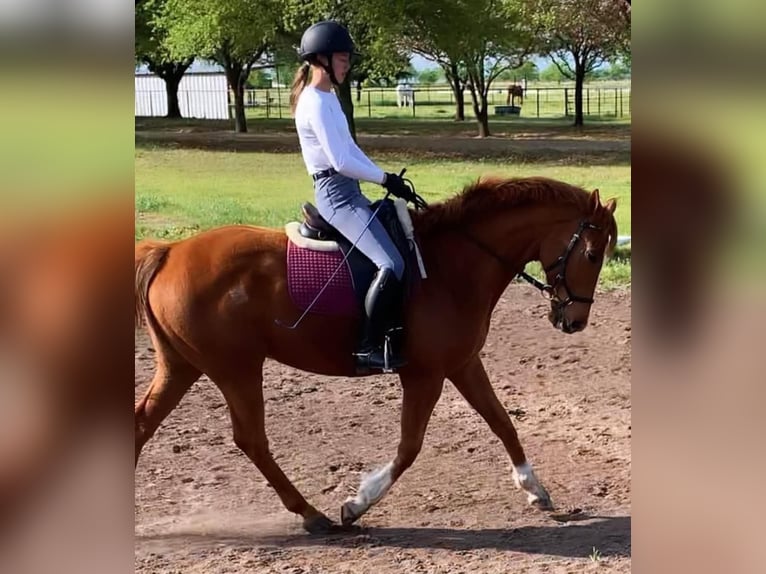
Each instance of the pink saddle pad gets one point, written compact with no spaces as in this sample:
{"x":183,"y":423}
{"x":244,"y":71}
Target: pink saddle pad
{"x":307,"y":273}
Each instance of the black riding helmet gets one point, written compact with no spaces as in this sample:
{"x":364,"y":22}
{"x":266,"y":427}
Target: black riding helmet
{"x":325,"y":38}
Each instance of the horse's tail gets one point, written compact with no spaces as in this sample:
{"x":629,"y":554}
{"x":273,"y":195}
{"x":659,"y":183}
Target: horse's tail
{"x":150,"y":256}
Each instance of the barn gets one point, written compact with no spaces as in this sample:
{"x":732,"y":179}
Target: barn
{"x":202,"y":93}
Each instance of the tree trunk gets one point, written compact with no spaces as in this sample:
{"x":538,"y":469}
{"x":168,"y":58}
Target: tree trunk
{"x":347,"y":105}
{"x":237,"y":72}
{"x":235,"y":77}
{"x":240,"y":121}
{"x":171,"y":89}
{"x":579,"y":81}
{"x":453,"y":77}
{"x":482,"y":116}
{"x":359,"y":91}
{"x":171,"y":73}
{"x":459,"y":101}
{"x":480,"y":109}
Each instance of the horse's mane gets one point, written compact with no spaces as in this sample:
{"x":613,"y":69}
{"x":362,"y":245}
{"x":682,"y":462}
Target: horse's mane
{"x":490,"y":194}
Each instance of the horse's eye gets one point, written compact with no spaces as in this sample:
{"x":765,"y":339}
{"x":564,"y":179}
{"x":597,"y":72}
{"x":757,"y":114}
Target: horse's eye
{"x":592,"y":256}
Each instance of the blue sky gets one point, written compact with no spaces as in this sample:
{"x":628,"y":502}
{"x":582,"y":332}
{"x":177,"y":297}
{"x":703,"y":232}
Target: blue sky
{"x":420,"y":63}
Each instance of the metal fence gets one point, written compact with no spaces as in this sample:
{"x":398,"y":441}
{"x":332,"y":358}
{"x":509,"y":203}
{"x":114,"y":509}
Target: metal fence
{"x":439,"y":102}
{"x":542,"y":102}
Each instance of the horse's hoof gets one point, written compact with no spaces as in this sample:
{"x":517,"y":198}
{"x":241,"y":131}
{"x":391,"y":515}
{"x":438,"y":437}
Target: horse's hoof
{"x":349,"y":512}
{"x":541,"y":502}
{"x":318,"y":524}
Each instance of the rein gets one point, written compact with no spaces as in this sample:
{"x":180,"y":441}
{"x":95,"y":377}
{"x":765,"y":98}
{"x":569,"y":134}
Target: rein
{"x":547,"y":289}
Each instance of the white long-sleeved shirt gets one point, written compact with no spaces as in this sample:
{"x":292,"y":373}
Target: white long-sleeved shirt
{"x":326,"y":140}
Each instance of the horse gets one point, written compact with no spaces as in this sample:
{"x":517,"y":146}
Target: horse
{"x":404,"y":95}
{"x":514,"y":91}
{"x":213,"y":304}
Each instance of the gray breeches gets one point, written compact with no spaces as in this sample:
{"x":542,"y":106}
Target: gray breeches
{"x":340,"y":202}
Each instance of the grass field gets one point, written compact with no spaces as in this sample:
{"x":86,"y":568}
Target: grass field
{"x":179,"y":192}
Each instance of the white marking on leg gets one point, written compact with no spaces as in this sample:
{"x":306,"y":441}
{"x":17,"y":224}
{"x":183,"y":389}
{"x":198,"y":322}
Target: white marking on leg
{"x":372,"y":488}
{"x":525,"y":479}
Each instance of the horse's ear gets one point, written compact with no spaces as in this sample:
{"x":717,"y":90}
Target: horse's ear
{"x":611,"y":205}
{"x":595,"y":201}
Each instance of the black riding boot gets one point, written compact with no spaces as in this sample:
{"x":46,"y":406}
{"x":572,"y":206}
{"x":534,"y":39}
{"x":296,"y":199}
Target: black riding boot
{"x":381,"y":343}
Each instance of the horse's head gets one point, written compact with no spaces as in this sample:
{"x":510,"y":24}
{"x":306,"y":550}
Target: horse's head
{"x":572,"y":257}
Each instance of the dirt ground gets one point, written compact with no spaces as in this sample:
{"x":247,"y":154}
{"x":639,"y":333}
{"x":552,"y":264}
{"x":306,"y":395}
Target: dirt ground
{"x":201,"y":506}
{"x":590,"y":148}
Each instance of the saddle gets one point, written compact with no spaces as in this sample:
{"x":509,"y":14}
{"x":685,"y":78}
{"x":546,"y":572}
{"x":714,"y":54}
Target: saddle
{"x":316,"y":248}
{"x":314,"y":225}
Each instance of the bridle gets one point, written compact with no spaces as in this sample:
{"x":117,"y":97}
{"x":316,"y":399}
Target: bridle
{"x":549,"y":290}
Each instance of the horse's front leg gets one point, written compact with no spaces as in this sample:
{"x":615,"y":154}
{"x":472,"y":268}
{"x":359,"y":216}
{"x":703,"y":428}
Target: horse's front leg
{"x":473,"y":383}
{"x":421,"y":393}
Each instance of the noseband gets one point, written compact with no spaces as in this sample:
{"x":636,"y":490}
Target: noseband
{"x":550,"y":290}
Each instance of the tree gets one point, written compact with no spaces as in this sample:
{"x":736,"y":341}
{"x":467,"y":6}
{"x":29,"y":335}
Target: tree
{"x":551,"y":73}
{"x":407,"y":73}
{"x":496,"y":38}
{"x":527,"y":71}
{"x":258,"y":79}
{"x":430,"y":76}
{"x":473,"y":41}
{"x":619,"y":69}
{"x":457,"y":77}
{"x":150,"y":49}
{"x":234,"y":33}
{"x":580,"y":35}
{"x":285,"y":69}
{"x":381,"y":57}
{"x":431,"y":32}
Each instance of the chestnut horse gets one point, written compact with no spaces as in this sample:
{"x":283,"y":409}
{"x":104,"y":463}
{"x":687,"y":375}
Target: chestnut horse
{"x":213,"y":304}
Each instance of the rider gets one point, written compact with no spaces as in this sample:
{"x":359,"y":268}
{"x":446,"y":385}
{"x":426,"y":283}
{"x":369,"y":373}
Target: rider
{"x":337,"y":165}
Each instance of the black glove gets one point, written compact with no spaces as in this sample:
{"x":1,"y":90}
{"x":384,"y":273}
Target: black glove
{"x":396,"y":185}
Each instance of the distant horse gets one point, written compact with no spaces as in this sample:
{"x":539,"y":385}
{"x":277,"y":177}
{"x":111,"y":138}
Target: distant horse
{"x":211,"y":303}
{"x":514,"y":91}
{"x":404,"y":95}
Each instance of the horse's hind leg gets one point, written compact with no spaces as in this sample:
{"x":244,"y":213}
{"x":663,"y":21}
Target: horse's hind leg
{"x":244,"y":395}
{"x":420,"y":398}
{"x":173,"y":378}
{"x":473,"y":383}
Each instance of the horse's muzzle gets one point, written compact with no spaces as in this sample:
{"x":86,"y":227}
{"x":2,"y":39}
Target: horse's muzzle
{"x":570,"y":327}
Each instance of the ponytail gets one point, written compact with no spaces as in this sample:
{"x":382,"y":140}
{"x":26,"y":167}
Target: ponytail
{"x":299,"y":82}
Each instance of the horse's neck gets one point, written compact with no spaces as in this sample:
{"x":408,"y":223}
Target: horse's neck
{"x":476,"y":276}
